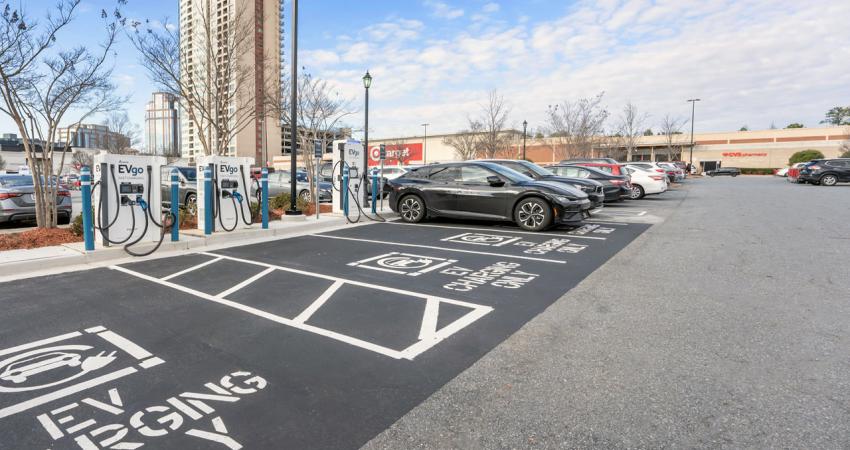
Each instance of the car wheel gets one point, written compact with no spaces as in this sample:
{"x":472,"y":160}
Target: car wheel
{"x":636,"y":192}
{"x":734,"y":175}
{"x":305,"y":196}
{"x":533,"y":214}
{"x":191,"y":203}
{"x":711,"y":175}
{"x":63,"y":220}
{"x":828,"y":180}
{"x":411,"y":208}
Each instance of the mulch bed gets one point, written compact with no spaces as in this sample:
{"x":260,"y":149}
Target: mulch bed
{"x":39,"y":237}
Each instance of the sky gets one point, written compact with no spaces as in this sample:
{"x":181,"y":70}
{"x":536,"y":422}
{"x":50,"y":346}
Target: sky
{"x":752,"y":62}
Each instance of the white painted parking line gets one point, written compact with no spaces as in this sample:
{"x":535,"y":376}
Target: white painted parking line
{"x":245,"y":283}
{"x":476,"y":311}
{"x":498,"y":229}
{"x":428,"y":330}
{"x":185,"y":271}
{"x":61,"y":337}
{"x":446,"y":249}
{"x":307,"y":313}
{"x":605,"y":222}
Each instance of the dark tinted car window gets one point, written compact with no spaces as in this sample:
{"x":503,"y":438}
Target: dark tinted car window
{"x":473,"y":174}
{"x":445,"y":174}
{"x":190,"y":173}
{"x":417,"y":173}
{"x":836,"y":163}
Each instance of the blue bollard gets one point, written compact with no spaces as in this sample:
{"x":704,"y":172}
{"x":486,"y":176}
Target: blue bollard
{"x":375,"y":191}
{"x":345,"y":191}
{"x":175,"y":206}
{"x":88,"y":229}
{"x":208,"y":194}
{"x":264,"y":197}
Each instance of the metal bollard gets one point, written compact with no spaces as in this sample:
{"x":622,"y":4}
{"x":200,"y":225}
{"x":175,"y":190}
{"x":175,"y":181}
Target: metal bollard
{"x":208,"y":194}
{"x":175,"y":206}
{"x":345,"y":191}
{"x":264,"y":197}
{"x":375,"y":191}
{"x":88,"y":229}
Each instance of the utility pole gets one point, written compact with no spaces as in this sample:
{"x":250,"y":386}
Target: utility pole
{"x":693,"y":103}
{"x":293,"y":116}
{"x":425,"y":144}
{"x":524,"y":127}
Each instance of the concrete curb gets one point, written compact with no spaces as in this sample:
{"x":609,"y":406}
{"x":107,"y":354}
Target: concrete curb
{"x":72,"y":257}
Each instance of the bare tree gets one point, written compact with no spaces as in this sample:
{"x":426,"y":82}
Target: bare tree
{"x":577,"y":126}
{"x":494,"y":116}
{"x":630,"y":127}
{"x":82,"y":158}
{"x":42,"y":85}
{"x":127,"y":135}
{"x":321,"y":110}
{"x":671,"y":129}
{"x":216,"y":84}
{"x":466,"y":143}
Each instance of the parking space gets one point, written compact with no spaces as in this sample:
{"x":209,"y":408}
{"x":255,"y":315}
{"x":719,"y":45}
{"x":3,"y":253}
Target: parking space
{"x":318,"y":341}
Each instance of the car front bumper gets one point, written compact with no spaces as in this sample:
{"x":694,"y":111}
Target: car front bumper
{"x":571,"y":212}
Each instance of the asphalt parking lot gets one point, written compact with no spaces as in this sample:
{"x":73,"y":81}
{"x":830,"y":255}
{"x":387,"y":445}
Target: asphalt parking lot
{"x":319,"y":341}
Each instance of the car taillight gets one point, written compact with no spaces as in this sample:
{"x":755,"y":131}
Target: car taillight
{"x":659,"y":170}
{"x":63,"y":194}
{"x":617,"y":182}
{"x":5,"y":195}
{"x":656,"y":177}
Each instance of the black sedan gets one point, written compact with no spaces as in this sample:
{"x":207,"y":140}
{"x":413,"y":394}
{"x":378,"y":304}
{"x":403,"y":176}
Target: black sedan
{"x":485,"y":191}
{"x":592,"y":188}
{"x":616,"y":187}
{"x":731,"y":171}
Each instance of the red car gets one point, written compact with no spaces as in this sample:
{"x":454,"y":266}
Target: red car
{"x":794,"y":172}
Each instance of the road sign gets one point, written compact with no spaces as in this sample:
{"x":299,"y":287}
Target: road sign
{"x":383,"y":154}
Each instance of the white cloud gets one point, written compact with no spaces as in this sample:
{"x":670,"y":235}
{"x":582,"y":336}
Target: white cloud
{"x":490,"y":7}
{"x":443,"y":10}
{"x":320,"y":58}
{"x":739,"y":56}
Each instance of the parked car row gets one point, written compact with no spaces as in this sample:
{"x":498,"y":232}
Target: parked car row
{"x":519,"y":191}
{"x":823,"y":172}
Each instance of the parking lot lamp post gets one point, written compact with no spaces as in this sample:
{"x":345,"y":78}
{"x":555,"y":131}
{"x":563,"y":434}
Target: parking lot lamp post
{"x":367,"y":83}
{"x":293,"y":115}
{"x":693,"y":103}
{"x":524,"y":127}
{"x":425,"y":144}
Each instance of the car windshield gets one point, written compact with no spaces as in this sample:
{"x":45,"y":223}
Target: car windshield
{"x":190,"y":173}
{"x":301,"y":176}
{"x":16,"y":181}
{"x":510,"y":174}
{"x":537,"y":169}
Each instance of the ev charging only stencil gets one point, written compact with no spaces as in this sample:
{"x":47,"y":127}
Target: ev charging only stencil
{"x":43,"y":371}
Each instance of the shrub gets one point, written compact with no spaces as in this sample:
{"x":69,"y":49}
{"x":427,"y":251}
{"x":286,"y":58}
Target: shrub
{"x":804,"y":156}
{"x":77,"y":225}
{"x":281,"y":201}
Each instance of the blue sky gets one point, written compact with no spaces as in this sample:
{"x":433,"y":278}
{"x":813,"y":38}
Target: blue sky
{"x":753,"y":62}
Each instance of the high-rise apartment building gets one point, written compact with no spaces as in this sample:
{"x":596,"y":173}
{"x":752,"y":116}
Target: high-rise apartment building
{"x":206,"y":28}
{"x":162,"y":125}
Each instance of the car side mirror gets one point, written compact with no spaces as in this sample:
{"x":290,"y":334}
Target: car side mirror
{"x":182,"y":182}
{"x":495,"y":181}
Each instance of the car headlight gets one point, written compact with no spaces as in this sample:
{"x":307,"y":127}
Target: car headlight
{"x":565,"y":198}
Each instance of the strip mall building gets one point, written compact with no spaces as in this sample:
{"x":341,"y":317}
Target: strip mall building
{"x":744,"y":149}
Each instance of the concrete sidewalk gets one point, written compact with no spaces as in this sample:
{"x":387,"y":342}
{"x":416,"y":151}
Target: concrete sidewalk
{"x":16,"y":264}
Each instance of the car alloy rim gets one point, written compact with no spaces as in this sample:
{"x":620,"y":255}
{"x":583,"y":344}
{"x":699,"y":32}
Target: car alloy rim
{"x":829,"y":180}
{"x":635,"y":192}
{"x":531,"y":214}
{"x":410,"y":209}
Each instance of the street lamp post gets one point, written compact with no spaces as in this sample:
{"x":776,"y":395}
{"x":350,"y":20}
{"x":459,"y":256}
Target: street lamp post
{"x":524,"y":127}
{"x":693,"y":103}
{"x":293,"y":115}
{"x":367,"y":83}
{"x":425,"y":144}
